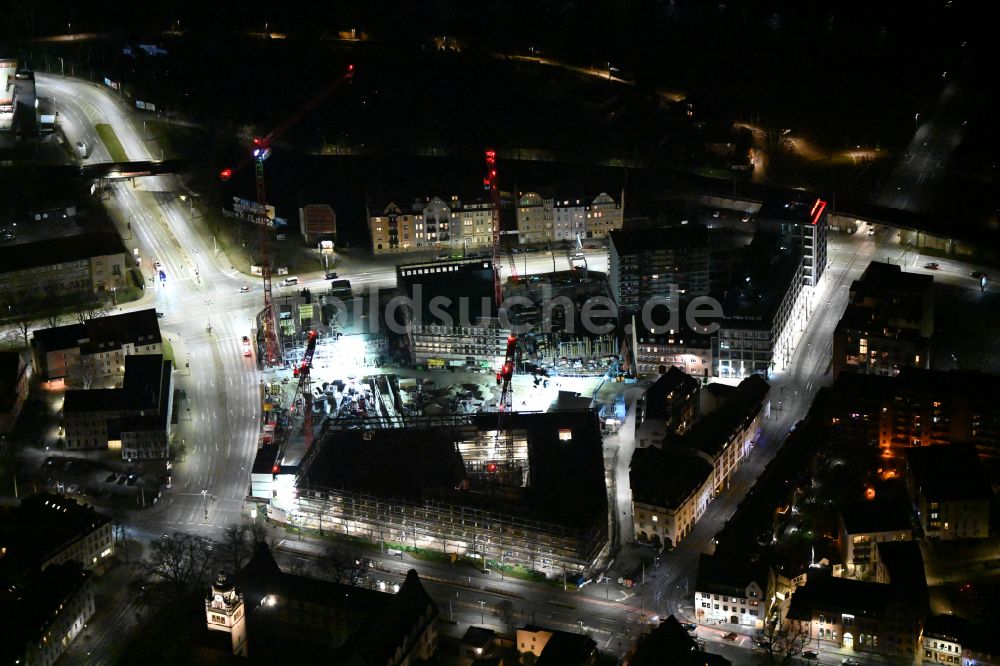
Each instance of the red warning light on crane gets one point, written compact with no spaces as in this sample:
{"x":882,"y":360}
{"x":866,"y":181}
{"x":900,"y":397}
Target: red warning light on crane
{"x":492,"y":467}
{"x":226,"y":174}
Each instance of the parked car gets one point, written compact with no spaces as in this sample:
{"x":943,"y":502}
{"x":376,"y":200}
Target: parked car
{"x":244,"y":289}
{"x":690,"y":626}
{"x":330,"y":275}
{"x":122,"y":479}
{"x":932,"y":266}
{"x":731,"y":636}
{"x":810,"y":654}
{"x":132,"y":478}
{"x":850,"y":661}
{"x":111,"y":477}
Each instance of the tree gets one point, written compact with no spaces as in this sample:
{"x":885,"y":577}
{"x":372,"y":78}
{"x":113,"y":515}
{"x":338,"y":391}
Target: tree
{"x":178,"y":566}
{"x":342,"y":566}
{"x":91,"y":307}
{"x":22,"y":312}
{"x":236,"y":545}
{"x":118,"y":526}
{"x":781,"y":642}
{"x":504,"y":610}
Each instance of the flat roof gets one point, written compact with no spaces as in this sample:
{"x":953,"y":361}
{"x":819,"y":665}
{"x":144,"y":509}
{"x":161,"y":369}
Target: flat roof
{"x":666,"y":477}
{"x":34,"y":254}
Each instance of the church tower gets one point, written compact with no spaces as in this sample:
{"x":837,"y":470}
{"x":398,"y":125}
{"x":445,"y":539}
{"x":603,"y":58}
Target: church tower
{"x":224,"y":611}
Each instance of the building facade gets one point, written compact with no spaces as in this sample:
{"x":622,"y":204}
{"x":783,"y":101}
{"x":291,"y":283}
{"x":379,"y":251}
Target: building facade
{"x":951,"y":491}
{"x":729,"y":592}
{"x":864,"y":525}
{"x":670,"y":491}
{"x":14,"y":377}
{"x":802,"y":222}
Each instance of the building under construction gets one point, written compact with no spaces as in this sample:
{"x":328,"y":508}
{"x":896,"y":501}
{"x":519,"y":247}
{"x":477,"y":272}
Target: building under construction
{"x":533,"y":496}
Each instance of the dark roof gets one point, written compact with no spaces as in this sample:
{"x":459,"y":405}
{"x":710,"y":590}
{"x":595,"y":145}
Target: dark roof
{"x":797,"y":207}
{"x":478,"y":636}
{"x":714,"y":431}
{"x":904,"y":563}
{"x":266,"y":459}
{"x":29,"y":604}
{"x":419,"y":462}
{"x":42,"y":525}
{"x":949,"y":473}
{"x":949,"y":627}
{"x":564,"y":648}
{"x":878,"y":515}
{"x":657,"y":395}
{"x":758,"y":289}
{"x":730,"y":575}
{"x":51,"y":251}
{"x":11,"y":371}
{"x":823,"y":592}
{"x":468,"y":281}
{"x":145,"y":387}
{"x":59,"y":337}
{"x":666,"y":477}
{"x":668,"y":643}
{"x":880,"y":278}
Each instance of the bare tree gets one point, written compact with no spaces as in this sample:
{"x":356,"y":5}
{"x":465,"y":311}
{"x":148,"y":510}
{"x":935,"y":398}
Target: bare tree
{"x":118,"y":528}
{"x":236,"y":545}
{"x":22,"y":311}
{"x":92,"y":308}
{"x":504,"y":610}
{"x":342,"y":566}
{"x":178,"y":566}
{"x":781,"y":642}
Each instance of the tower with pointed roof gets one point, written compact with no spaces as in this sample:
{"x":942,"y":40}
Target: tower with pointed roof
{"x":224,"y":611}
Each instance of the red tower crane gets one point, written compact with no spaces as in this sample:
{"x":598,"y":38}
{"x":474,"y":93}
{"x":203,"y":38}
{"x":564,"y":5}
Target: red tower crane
{"x":303,"y":392}
{"x":260,"y":152}
{"x":506,"y":372}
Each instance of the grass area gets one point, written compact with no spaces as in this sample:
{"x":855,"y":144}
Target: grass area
{"x":111,"y":142}
{"x":177,"y":141}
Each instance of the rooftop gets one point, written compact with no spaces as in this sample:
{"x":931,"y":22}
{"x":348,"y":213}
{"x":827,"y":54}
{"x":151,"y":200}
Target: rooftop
{"x":823,"y":592}
{"x":948,"y":473}
{"x":666,"y":477}
{"x":904,"y":562}
{"x":34,"y":254}
{"x":668,"y":643}
{"x":797,"y":207}
{"x":878,"y":515}
{"x":769,"y":271}
{"x":139,"y":328}
{"x":674,"y":384}
{"x":729,"y":575}
{"x":685,"y":237}
{"x":714,"y":431}
{"x":42,"y":525}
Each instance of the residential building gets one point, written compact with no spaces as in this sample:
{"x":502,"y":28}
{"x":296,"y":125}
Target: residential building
{"x":134,"y":419}
{"x":671,"y":489}
{"x":857,"y":615}
{"x":658,"y":349}
{"x":14,"y":376}
{"x":951,"y":491}
{"x":455,"y":225}
{"x":46,"y":530}
{"x":559,"y":216}
{"x":951,"y":639}
{"x":317,"y":222}
{"x":917,"y":408}
{"x":476,"y":642}
{"x":901,"y":564}
{"x":43,"y":612}
{"x":555,"y":647}
{"x":888,"y":323}
{"x":451,"y":320}
{"x":268,"y":616}
{"x":442,"y":484}
{"x":862,"y":525}
{"x":801,"y":221}
{"x":763,"y":310}
{"x":672,"y":401}
{"x":94,"y":353}
{"x":674,"y":264}
{"x":730,"y":591}
{"x":725,"y":437}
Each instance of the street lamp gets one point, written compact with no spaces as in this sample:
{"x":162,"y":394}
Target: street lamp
{"x":916,"y":121}
{"x":482,"y":612}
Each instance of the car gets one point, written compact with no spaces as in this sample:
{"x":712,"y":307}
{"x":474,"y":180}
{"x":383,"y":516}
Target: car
{"x":247,"y":351}
{"x":932,"y":266}
{"x":850,"y":661}
{"x":81,"y":149}
{"x":157,"y":264}
{"x":486,"y":572}
{"x":112,"y":477}
{"x":690,"y":626}
{"x":132,"y":478}
{"x":810,"y":654}
{"x":244,"y":289}
{"x":122,"y":479}
{"x":731,"y":636}
{"x":159,"y":315}
{"x":330,"y":275}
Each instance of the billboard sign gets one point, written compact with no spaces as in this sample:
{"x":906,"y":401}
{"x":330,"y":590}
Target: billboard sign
{"x":246,"y":209}
{"x":111,"y":84}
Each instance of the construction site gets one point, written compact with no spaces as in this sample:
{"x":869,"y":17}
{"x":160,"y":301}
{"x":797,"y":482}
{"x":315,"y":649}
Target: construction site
{"x":401,"y":461}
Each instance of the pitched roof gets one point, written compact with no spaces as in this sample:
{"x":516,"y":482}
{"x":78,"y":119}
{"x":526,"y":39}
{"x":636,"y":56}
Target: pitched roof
{"x":878,"y":515}
{"x":662,"y":389}
{"x":62,"y":250}
{"x":729,"y":575}
{"x":823,"y":592}
{"x":668,"y":643}
{"x":666,"y":477}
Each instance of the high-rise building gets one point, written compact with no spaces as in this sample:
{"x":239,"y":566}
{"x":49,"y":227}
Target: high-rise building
{"x":802,"y":221}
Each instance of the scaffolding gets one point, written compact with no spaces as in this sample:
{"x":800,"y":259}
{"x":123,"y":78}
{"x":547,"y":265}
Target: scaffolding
{"x":485,"y":535}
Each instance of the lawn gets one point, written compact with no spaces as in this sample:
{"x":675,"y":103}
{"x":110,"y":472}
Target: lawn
{"x":111,"y":142}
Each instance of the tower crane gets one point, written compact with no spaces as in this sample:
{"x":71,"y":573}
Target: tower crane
{"x":261,"y":151}
{"x":505,"y":435}
{"x":303,"y":392}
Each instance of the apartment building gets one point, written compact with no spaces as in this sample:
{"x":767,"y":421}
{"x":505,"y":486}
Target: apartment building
{"x":134,"y":419}
{"x":547,"y":216}
{"x":46,"y":530}
{"x":763,"y":309}
{"x":728,"y":591}
{"x":673,"y":401}
{"x":951,"y":491}
{"x":725,"y":437}
{"x":801,"y":221}
{"x":917,"y":408}
{"x":454,"y":225}
{"x":93,"y":354}
{"x":888,"y":322}
{"x":671,"y":489}
{"x":862,"y":525}
{"x":656,"y":350}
